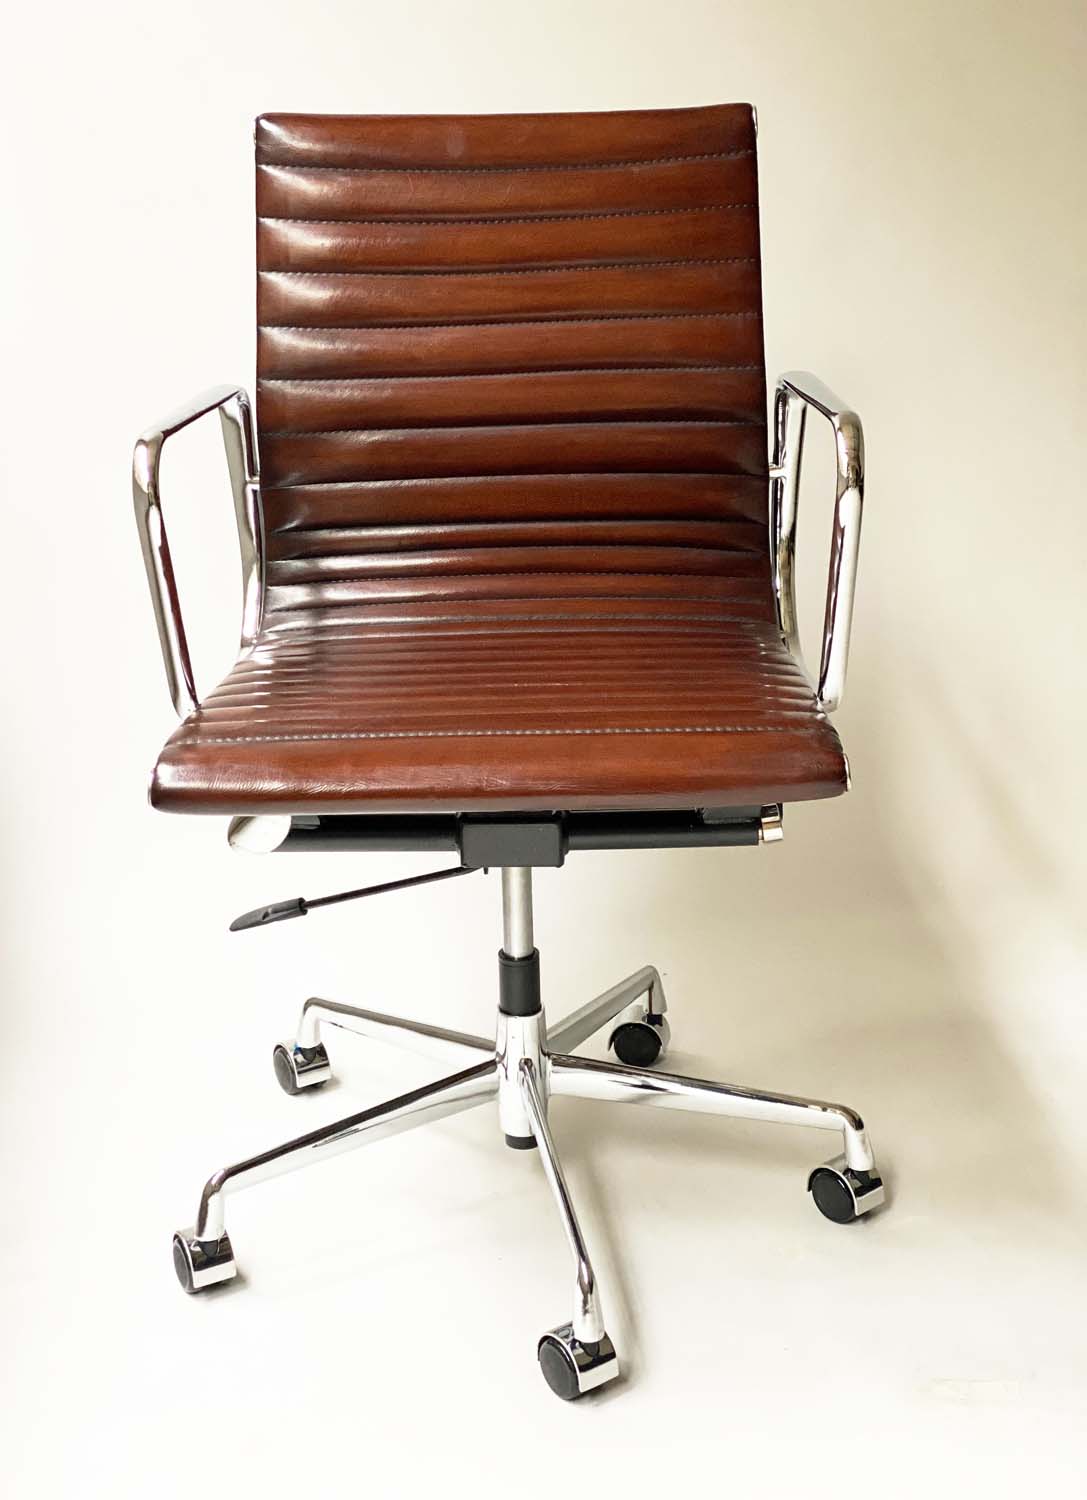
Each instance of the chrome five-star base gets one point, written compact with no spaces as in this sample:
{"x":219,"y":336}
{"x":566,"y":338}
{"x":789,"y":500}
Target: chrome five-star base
{"x":522,"y":1071}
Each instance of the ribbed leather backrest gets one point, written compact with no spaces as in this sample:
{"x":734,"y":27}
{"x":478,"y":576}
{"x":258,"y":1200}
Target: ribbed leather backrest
{"x":511,"y":356}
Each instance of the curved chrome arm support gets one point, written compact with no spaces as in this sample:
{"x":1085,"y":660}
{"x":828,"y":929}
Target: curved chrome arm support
{"x":796,"y":391}
{"x":236,"y":419}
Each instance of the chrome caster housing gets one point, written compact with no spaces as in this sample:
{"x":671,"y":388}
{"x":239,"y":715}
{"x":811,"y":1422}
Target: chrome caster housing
{"x":299,"y":1068}
{"x":842,"y":1194}
{"x":572,"y":1368}
{"x":201,"y":1264}
{"x":639,"y":1041}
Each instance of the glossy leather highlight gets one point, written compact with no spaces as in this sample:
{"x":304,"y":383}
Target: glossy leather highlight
{"x":511,"y":412}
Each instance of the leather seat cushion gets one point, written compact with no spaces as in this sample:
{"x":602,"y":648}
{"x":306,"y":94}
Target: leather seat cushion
{"x":500,"y":713}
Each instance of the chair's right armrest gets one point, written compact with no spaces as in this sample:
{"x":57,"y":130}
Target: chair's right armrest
{"x":796,"y":392}
{"x":232,"y":404}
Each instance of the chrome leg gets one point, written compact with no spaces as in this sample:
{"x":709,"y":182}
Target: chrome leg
{"x":303,"y":1062}
{"x":577,"y":1356}
{"x":523,"y":1069}
{"x":588,"y":1319}
{"x":584,"y":1023}
{"x":593,"y":1080}
{"x":415,"y":1036}
{"x":448,"y":1096}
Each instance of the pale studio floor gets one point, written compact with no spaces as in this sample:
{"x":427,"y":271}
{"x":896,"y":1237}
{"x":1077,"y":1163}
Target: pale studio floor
{"x":382,"y":1338}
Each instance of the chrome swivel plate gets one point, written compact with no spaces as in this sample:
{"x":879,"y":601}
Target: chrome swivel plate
{"x":299,"y":1068}
{"x":572,"y":1368}
{"x":203,"y":1263}
{"x":843,"y":1194}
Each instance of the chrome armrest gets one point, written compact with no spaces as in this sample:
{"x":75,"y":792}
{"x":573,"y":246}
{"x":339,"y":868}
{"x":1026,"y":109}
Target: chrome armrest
{"x":236,"y":419}
{"x":796,"y":391}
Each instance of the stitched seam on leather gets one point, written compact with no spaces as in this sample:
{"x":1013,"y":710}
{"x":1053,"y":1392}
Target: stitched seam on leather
{"x":493,"y":624}
{"x":495,"y":632}
{"x":429,"y":547}
{"x":466,"y":479}
{"x":502,"y":322}
{"x":370,"y":601}
{"x":385,"y":658}
{"x":419,"y":674}
{"x":402,"y":538}
{"x":485,"y":573}
{"x":575,"y":166}
{"x":504,"y":374}
{"x":749,"y":542}
{"x":311,"y":629}
{"x":395,"y":651}
{"x":458,"y":223}
{"x":477,"y":427}
{"x":441,"y":734}
{"x":580,"y":266}
{"x":434,"y":613}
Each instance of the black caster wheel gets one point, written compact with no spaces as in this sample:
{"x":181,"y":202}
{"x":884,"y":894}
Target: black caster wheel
{"x":832,"y":1196}
{"x":842,"y":1194}
{"x":299,"y":1068}
{"x":200,"y":1264}
{"x":639,"y":1044}
{"x":572,"y":1368}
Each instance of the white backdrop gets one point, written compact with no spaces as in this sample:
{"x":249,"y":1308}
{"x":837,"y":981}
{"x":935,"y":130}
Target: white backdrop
{"x":917,"y":948}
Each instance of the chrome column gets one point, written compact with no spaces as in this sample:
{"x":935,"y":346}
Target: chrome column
{"x":517,"y":911}
{"x":519,"y":1041}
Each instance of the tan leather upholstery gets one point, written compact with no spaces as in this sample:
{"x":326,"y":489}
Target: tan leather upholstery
{"x":511,"y":412}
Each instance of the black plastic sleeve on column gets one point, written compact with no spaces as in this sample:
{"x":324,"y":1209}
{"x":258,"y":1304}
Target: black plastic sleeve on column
{"x":519,"y":984}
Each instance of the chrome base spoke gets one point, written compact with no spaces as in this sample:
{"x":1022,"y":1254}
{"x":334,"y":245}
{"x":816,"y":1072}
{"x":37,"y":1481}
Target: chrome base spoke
{"x":526,"y":1067}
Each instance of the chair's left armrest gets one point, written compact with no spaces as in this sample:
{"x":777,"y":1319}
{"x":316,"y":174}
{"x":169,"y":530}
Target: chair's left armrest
{"x":232,"y":404}
{"x":796,"y":392}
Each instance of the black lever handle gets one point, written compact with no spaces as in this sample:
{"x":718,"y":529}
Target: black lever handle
{"x":283,"y":911}
{"x":279,"y":911}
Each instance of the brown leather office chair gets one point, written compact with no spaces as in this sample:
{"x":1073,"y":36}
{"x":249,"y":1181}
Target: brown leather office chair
{"x":517,"y":580}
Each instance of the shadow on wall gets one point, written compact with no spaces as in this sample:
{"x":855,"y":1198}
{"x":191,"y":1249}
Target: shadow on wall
{"x":860,"y":960}
{"x":984,"y":869}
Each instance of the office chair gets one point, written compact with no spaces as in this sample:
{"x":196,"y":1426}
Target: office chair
{"x":517,"y":583}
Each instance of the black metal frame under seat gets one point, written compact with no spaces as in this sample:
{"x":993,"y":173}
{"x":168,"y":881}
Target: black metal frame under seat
{"x":531,"y":840}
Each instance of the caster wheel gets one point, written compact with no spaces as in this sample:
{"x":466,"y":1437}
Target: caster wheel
{"x":639,"y":1044}
{"x":201,"y":1264}
{"x":572,"y":1368}
{"x":299,"y":1068}
{"x":842,"y":1194}
{"x":832,"y":1196}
